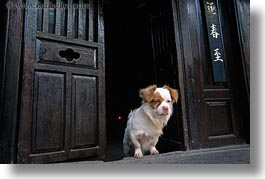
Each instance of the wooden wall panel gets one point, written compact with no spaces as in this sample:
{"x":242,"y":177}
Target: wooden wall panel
{"x":242,"y":13}
{"x":165,"y":66}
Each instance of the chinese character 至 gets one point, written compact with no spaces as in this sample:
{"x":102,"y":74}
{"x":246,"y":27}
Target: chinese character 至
{"x":211,"y":7}
{"x":214,"y":32}
{"x":217,"y":55}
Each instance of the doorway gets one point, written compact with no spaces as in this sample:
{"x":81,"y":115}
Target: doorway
{"x":53,"y":106}
{"x":140,"y":51}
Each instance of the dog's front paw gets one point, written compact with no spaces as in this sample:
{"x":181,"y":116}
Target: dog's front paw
{"x":153,"y":151}
{"x":138,"y":153}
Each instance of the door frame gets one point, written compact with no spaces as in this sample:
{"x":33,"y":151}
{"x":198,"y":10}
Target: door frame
{"x":11,"y":79}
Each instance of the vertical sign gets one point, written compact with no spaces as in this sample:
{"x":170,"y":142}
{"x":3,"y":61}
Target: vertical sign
{"x":215,"y":41}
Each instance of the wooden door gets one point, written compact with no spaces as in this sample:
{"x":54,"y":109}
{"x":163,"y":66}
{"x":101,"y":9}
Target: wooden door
{"x":63,"y":92}
{"x":211,"y":69}
{"x":222,"y":97}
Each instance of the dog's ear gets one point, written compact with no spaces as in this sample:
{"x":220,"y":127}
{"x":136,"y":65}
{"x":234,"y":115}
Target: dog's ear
{"x":174,"y":94}
{"x":147,"y":93}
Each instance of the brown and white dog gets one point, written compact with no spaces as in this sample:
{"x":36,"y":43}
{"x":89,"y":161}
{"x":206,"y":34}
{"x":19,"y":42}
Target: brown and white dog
{"x":145,"y":124}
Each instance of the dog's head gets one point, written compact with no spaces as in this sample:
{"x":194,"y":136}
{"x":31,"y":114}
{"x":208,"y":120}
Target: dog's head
{"x":160,"y":99}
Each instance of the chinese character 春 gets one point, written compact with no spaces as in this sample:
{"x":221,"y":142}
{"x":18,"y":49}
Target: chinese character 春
{"x":217,"y":55}
{"x":214,"y":32}
{"x":211,"y":7}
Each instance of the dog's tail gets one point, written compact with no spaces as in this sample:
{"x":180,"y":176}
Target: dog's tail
{"x":126,"y":143}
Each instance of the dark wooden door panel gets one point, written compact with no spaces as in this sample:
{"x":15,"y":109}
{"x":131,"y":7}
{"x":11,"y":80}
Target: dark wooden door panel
{"x":49,"y":51}
{"x":84,"y":111}
{"x":48,"y":112}
{"x":219,"y":115}
{"x":63,"y":106}
{"x":218,"y":119}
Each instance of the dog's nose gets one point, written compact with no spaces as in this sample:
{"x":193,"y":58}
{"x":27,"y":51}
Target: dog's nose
{"x":165,"y":108}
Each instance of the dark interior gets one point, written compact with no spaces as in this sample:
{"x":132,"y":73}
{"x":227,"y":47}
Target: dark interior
{"x":3,"y":14}
{"x":132,"y":64}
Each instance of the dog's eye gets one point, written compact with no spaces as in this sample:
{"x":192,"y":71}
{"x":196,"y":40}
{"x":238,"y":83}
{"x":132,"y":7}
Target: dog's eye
{"x":169,"y":101}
